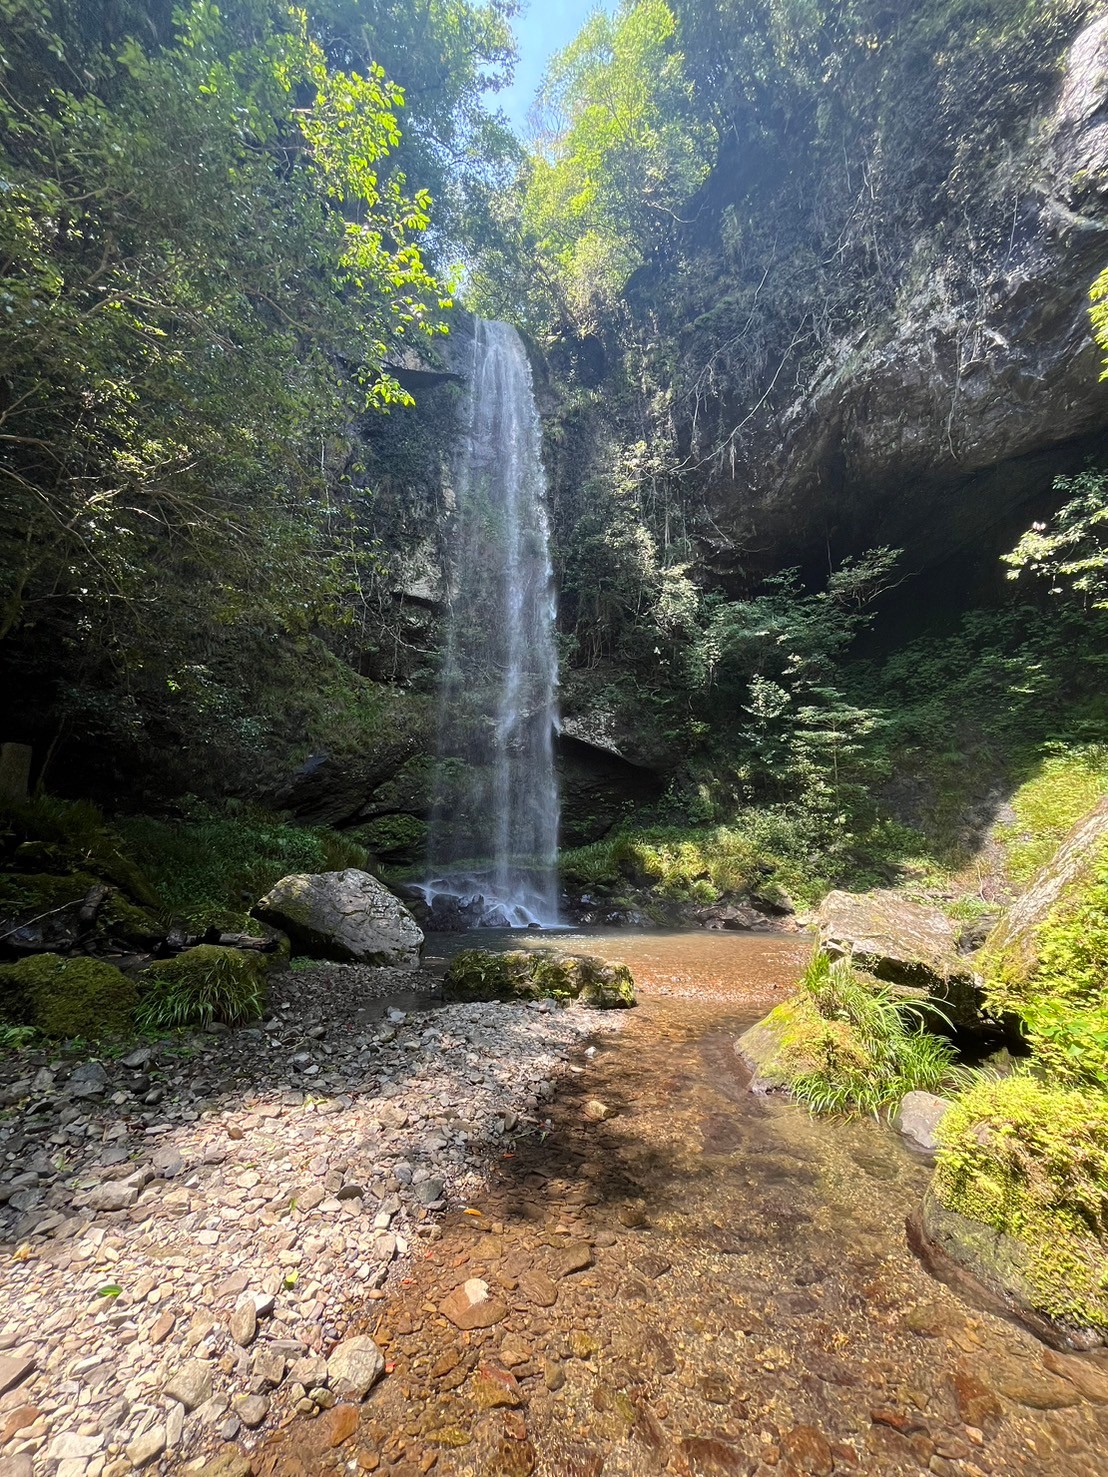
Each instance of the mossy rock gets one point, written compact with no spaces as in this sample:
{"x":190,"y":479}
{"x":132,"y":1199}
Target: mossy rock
{"x":50,"y":903}
{"x":536,"y":974}
{"x":68,"y":997}
{"x":1046,"y":961}
{"x":204,"y":984}
{"x":1017,"y":1199}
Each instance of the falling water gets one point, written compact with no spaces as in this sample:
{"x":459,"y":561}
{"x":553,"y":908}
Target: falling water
{"x":494,"y":826}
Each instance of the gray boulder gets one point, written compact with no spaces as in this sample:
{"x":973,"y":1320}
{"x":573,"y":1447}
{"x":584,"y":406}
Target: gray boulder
{"x":348,"y":916}
{"x":906,"y":945}
{"x":918,"y":1118}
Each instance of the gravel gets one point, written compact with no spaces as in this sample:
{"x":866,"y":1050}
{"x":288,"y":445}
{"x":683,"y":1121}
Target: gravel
{"x":190,"y":1230}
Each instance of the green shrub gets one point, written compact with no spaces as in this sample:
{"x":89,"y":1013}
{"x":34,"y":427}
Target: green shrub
{"x":1030,"y":1160}
{"x":67,"y":997}
{"x":47,"y":834}
{"x":204,"y":984}
{"x":845,"y":1044}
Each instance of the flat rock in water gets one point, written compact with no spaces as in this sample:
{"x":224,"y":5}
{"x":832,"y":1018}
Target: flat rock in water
{"x":470,"y":1306}
{"x":345,"y":916}
{"x":354,"y":1367}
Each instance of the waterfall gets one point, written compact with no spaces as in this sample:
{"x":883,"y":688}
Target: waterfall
{"x":494,"y":823}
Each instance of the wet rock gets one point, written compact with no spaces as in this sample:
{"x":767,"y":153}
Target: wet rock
{"x":918,"y":1117}
{"x":707,"y":1456}
{"x":354,"y":1367}
{"x":553,"y":1374}
{"x":470,"y":1306}
{"x":339,"y":1424}
{"x":493,"y":1387}
{"x":1035,"y":1388}
{"x":573,"y":1258}
{"x":1091,"y":1379}
{"x":977,"y":1404}
{"x":343,"y":915}
{"x":538,"y":1288}
{"x":807,"y":1449}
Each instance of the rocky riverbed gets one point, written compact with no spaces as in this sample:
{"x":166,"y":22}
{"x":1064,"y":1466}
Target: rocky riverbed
{"x":195,"y":1234}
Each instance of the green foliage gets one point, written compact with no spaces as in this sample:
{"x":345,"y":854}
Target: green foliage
{"x":206,"y":266}
{"x":15,"y":1038}
{"x":1070,"y":549}
{"x":845,"y":1044}
{"x":67,"y":997}
{"x":1030,"y":1160}
{"x":202,"y":985}
{"x":1064,"y":785}
{"x":620,"y":152}
{"x":213,"y":866}
{"x":48,"y":834}
{"x":451,"y":58}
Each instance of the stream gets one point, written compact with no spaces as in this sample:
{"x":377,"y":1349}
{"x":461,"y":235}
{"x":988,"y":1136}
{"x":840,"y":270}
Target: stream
{"x":699,"y":1281}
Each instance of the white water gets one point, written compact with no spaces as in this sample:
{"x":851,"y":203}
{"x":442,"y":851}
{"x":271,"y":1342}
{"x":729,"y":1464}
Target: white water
{"x":494,"y":826}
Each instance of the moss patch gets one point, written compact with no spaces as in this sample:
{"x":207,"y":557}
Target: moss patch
{"x":1051,"y":970}
{"x":1030,"y":1161}
{"x":204,"y":984}
{"x":68,"y":997}
{"x":526,"y":974}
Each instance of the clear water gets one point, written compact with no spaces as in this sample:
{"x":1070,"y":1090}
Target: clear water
{"x":496,"y":795}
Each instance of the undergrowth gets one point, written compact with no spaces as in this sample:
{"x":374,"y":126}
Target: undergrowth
{"x":848,"y":1045}
{"x":211,"y":867}
{"x":200,"y":986}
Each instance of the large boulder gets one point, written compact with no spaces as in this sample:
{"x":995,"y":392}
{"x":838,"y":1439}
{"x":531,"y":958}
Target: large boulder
{"x":1014,"y":1213}
{"x":1013,"y":948}
{"x":348,"y":916}
{"x":906,"y":945}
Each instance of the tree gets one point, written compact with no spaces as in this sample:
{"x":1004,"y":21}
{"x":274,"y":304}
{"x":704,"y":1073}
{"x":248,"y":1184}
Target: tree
{"x":451,"y":58}
{"x":204,"y":274}
{"x":1070,"y":549}
{"x":619,"y":151}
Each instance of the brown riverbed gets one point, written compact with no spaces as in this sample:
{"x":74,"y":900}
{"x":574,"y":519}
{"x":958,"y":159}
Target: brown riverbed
{"x":749,"y":1305}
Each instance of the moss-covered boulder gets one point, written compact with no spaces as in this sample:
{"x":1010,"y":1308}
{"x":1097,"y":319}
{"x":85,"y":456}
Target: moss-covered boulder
{"x":1046,"y":961}
{"x":67,"y":997}
{"x":907,"y":946}
{"x":1018,"y":1201}
{"x":536,"y":974}
{"x":204,"y":984}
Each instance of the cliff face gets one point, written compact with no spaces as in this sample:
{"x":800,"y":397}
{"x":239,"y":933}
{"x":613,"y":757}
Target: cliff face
{"x":984,"y":361}
{"x":893,"y":348}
